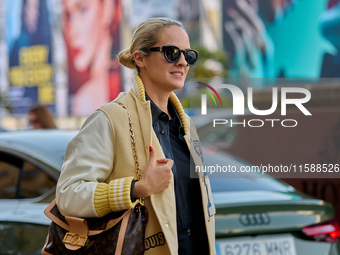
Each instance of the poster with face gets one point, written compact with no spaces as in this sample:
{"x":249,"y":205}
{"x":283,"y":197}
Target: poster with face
{"x":91,"y":34}
{"x":143,"y":10}
{"x":186,"y":11}
{"x":30,"y":55}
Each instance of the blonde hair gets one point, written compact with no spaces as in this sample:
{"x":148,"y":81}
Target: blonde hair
{"x":145,"y":36}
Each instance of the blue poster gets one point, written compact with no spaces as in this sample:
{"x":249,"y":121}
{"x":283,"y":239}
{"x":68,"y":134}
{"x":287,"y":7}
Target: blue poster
{"x":30,"y":55}
{"x":282,"y":38}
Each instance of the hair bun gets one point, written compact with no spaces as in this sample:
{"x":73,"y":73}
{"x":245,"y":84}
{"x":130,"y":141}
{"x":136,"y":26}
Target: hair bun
{"x":125,"y":58}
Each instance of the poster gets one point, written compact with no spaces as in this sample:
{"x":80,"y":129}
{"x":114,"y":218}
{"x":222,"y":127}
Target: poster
{"x":280,"y":45}
{"x":92,"y":37}
{"x":267,"y":39}
{"x":146,"y":9}
{"x":30,"y":55}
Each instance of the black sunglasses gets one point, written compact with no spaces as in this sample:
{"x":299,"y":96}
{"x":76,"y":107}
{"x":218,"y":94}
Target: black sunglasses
{"x":172,"y":54}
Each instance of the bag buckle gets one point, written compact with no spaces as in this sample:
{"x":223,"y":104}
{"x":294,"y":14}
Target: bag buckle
{"x":75,"y":239}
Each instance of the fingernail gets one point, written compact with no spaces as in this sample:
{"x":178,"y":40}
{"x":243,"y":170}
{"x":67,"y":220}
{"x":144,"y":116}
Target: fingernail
{"x":150,"y":149}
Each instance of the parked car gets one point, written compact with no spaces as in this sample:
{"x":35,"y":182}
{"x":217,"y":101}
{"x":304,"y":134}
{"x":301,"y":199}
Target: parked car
{"x":221,"y":136}
{"x":254,"y":216}
{"x":259,"y":215}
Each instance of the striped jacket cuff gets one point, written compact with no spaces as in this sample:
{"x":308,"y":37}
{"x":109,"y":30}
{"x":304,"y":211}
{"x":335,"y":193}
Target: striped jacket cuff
{"x":120,"y":194}
{"x":115,"y":196}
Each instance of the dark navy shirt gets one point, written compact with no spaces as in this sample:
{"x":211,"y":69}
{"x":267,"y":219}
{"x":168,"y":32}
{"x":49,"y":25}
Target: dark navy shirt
{"x":170,"y":134}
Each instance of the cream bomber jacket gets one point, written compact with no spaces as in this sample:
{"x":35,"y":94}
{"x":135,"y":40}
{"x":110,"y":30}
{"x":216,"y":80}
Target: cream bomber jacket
{"x":99,"y":167}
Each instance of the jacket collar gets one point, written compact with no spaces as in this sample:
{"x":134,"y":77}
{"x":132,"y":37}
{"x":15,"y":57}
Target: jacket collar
{"x":139,"y":91}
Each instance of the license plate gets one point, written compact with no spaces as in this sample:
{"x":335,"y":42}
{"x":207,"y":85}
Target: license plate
{"x":269,"y":246}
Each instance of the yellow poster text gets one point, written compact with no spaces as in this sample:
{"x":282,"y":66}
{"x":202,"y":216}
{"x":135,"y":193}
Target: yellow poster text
{"x":33,"y":55}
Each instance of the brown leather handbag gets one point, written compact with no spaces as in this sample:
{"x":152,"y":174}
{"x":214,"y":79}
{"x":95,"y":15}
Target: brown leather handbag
{"x":116,"y":233}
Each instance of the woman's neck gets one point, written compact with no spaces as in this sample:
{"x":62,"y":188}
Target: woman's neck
{"x":161,"y":100}
{"x":158,"y":95}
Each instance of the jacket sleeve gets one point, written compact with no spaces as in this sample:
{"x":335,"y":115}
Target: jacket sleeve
{"x":82,"y":189}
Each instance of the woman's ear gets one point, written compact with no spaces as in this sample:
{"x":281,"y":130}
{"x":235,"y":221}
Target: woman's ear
{"x":139,"y":59}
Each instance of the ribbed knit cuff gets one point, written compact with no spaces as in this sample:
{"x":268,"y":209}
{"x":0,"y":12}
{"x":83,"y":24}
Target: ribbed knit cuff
{"x":101,"y":199}
{"x":120,"y":194}
{"x":115,"y":196}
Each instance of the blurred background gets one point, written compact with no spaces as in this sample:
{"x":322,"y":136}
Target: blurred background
{"x":62,"y":54}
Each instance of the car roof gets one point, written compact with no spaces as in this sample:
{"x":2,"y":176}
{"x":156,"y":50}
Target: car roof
{"x":47,"y":146}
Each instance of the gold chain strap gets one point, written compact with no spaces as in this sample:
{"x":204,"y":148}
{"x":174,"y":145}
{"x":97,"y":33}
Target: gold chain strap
{"x":133,"y":143}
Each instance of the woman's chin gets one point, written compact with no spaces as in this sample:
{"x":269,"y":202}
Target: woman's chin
{"x":79,"y":64}
{"x":177,"y":86}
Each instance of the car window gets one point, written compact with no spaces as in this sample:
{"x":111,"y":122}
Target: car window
{"x":16,"y":238}
{"x":9,"y":175}
{"x":34,"y":181}
{"x":20,"y":178}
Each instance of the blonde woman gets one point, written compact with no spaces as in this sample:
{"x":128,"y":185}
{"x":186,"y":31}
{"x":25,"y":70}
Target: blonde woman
{"x":98,"y":175}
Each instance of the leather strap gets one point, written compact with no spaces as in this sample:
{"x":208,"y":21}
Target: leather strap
{"x":111,"y":223}
{"x":121,"y":235}
{"x":77,"y":235}
{"x":67,"y":227}
{"x":54,"y":218}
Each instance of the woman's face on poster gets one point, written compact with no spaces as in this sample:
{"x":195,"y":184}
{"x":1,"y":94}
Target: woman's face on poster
{"x":31,"y":15}
{"x":83,"y":26}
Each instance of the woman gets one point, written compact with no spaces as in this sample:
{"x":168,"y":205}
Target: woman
{"x":39,"y":117}
{"x":91,"y":32}
{"x":98,"y":173}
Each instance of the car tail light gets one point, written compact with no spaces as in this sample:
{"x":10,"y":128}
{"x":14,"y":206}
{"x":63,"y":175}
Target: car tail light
{"x":207,"y":150}
{"x":328,"y":231}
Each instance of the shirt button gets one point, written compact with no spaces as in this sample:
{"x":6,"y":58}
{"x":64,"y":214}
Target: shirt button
{"x":163,"y":131}
{"x":167,"y":225}
{"x":188,"y":232}
{"x":164,"y":115}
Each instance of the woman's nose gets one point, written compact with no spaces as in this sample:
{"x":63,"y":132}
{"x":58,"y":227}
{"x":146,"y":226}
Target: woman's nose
{"x":182,"y":60}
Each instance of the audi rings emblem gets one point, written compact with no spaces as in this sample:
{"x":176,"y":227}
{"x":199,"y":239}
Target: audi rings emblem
{"x":254,"y":219}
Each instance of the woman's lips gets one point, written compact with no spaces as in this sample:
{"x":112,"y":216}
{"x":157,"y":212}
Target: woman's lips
{"x":177,"y":73}
{"x":76,"y":51}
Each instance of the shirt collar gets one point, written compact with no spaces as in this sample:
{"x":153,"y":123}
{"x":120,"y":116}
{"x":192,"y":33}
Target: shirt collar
{"x":138,"y":90}
{"x":157,"y":113}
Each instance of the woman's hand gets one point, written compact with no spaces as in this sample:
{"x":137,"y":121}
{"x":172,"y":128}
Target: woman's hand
{"x":156,"y":177}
